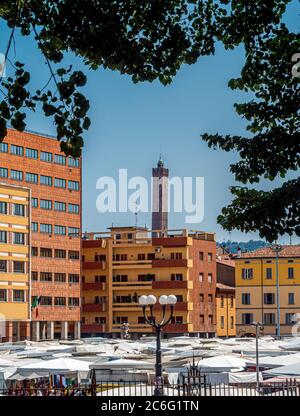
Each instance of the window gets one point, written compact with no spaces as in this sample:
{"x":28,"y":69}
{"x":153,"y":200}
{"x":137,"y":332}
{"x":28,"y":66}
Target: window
{"x":201,"y":297}
{"x":73,"y":301}
{"x":60,"y":159}
{"x":73,"y":255}
{"x":46,"y":180}
{"x":34,"y":202}
{"x":73,"y":232}
{"x":290,"y":318}
{"x":210,"y":319}
{"x":16,"y":150}
{"x":246,"y":299}
{"x":74,"y":163}
{"x":73,"y":185}
{"x":268,"y":273}
{"x":247,"y":318}
{"x":201,"y":277}
{"x":3,"y":147}
{"x":3,"y":237}
{"x":291,"y":272}
{"x":45,"y":204}
{"x":201,"y":255}
{"x":210,"y":298}
{"x":231,"y":301}
{"x":209,"y":257}
{"x":59,"y":206}
{"x":60,"y":254}
{"x":58,"y":301}
{"x":177,"y":320}
{"x":59,"y":230}
{"x":60,"y":277}
{"x":176,"y":256}
{"x":176,"y":277}
{"x":141,"y":256}
{"x":16,"y":175}
{"x":222,"y":301}
{"x":73,"y":208}
{"x":46,"y":228}
{"x":231,"y":322}
{"x":209,"y":277}
{"x":222,"y":323}
{"x":3,"y":295}
{"x":19,"y":209}
{"x":45,"y":277}
{"x":59,"y":183}
{"x":3,"y":207}
{"x":19,"y":295}
{"x":45,"y":252}
{"x":100,"y":279}
{"x":34,"y":251}
{"x":269,"y":298}
{"x":34,"y":227}
{"x":3,"y":266}
{"x":46,"y":156}
{"x":3,"y":173}
{"x":73,"y":278}
{"x":19,"y":238}
{"x":19,"y":266}
{"x":291,"y":297}
{"x":45,"y":300}
{"x":201,"y":319}
{"x":34,"y":276}
{"x":247,"y":274}
{"x":32,"y":153}
{"x":269,"y":318}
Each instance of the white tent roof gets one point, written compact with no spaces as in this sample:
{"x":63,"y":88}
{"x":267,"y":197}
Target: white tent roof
{"x":121,"y":363}
{"x":292,"y":370}
{"x":280,"y":360}
{"x":58,"y":364}
{"x":222,"y":362}
{"x":6,"y":363}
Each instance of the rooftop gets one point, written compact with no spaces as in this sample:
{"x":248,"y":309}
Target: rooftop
{"x":268,"y":252}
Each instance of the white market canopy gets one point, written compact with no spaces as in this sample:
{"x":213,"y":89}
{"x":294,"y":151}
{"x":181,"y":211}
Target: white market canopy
{"x":292,"y":370}
{"x":280,"y":360}
{"x":122,"y":363}
{"x":221,"y":363}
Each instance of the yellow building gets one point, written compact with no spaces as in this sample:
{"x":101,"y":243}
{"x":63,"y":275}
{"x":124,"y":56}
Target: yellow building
{"x":127,"y":262}
{"x":14,"y":262}
{"x":256,"y":294}
{"x":225,"y":310}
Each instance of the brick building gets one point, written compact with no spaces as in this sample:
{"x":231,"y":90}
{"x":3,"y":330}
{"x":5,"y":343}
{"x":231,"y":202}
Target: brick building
{"x":36,"y":162}
{"x":128,"y":262}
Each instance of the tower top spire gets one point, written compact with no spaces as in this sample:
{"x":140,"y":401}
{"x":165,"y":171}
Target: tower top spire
{"x":160,"y":163}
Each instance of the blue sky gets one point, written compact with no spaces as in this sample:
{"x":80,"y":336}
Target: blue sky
{"x":133,"y":123}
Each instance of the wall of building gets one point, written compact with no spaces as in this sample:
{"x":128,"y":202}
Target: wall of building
{"x":225,"y":311}
{"x":70,"y":268}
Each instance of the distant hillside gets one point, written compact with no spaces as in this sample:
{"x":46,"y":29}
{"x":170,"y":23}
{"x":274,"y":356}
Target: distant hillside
{"x":232,"y":246}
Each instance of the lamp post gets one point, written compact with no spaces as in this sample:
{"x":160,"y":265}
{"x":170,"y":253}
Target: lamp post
{"x":258,"y":326}
{"x":150,"y":301}
{"x":277,"y":248}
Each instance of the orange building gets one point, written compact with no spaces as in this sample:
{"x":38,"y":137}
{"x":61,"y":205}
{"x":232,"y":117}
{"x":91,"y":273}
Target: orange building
{"x":36,"y":162}
{"x":127,"y":262}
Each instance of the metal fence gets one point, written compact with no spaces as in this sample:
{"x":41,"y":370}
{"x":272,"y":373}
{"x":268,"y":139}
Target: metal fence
{"x":134,"y":389}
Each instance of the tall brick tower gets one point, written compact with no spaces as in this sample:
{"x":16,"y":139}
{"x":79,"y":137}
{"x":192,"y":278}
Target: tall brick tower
{"x":160,"y":185}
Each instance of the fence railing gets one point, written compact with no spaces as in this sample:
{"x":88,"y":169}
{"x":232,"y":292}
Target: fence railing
{"x":289,"y":388}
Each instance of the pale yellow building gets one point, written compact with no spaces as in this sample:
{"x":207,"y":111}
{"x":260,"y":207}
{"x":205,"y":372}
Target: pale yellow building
{"x":14,"y":262}
{"x":256,"y":295}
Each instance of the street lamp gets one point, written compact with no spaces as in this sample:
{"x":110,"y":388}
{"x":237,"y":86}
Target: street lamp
{"x":150,"y":301}
{"x":277,"y":248}
{"x":258,"y":326}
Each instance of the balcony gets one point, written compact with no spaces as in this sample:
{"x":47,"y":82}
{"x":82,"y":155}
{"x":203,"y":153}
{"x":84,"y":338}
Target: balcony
{"x":178,"y":328}
{"x":132,"y":285}
{"x":172,"y":284}
{"x":132,"y":264}
{"x":133,"y":328}
{"x":180,"y":306}
{"x":94,"y":265}
{"x":172,"y":263}
{"x":94,"y":307}
{"x":93,"y":328}
{"x":124,"y":306}
{"x":93,"y":286}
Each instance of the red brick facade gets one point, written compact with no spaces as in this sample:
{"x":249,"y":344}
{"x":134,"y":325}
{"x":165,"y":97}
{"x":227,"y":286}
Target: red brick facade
{"x":52,"y":289}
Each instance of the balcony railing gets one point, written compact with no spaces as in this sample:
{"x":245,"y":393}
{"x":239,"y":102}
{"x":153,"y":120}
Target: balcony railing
{"x":94,"y":265}
{"x":93,"y":286}
{"x":171,"y":284}
{"x":93,"y":328}
{"x":94,"y":307}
